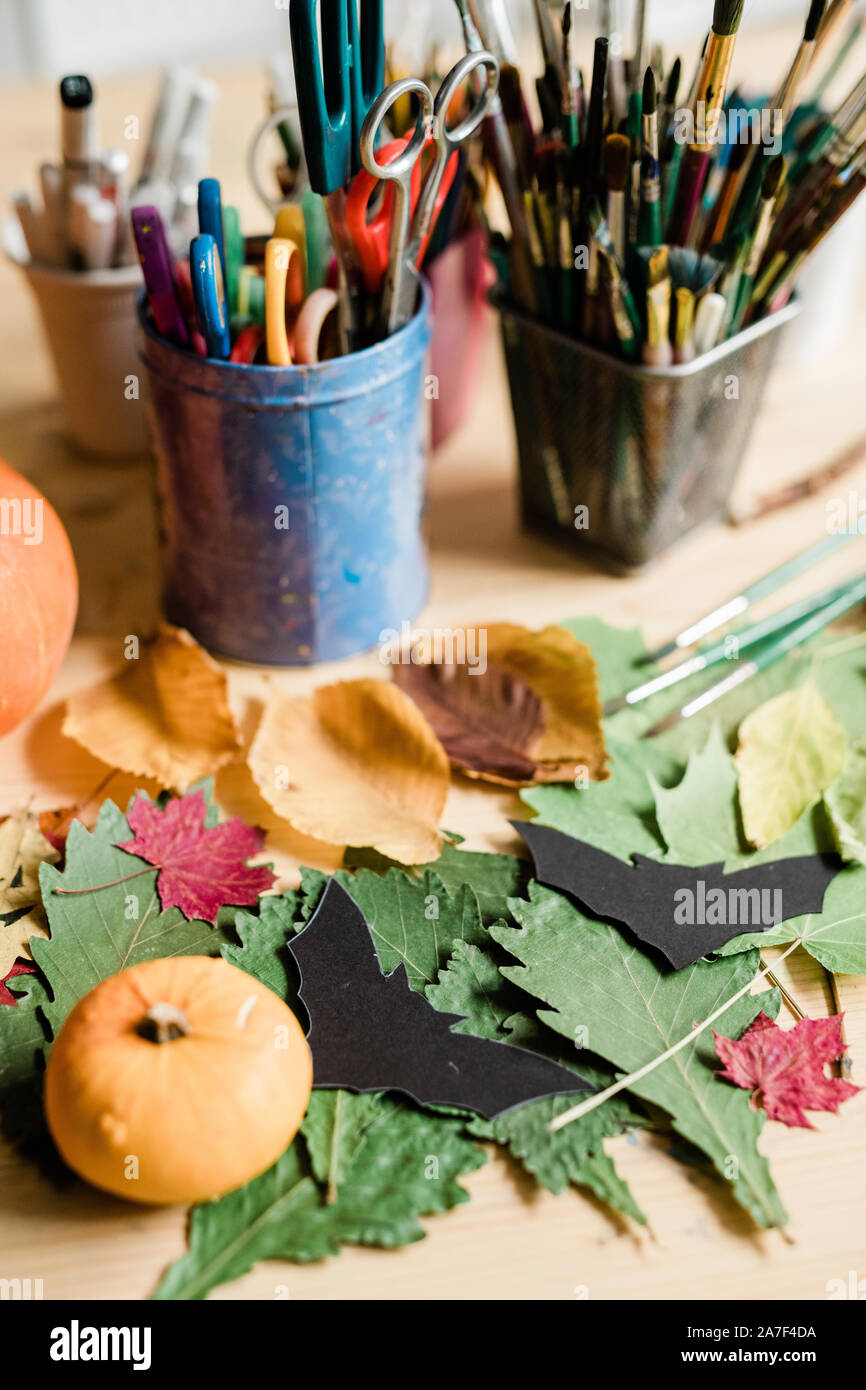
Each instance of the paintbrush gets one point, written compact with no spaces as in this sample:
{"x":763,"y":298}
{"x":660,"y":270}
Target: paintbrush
{"x":519,"y":131}
{"x":649,"y":225}
{"x":589,"y":183}
{"x":767,"y":655}
{"x":669,"y":102}
{"x":834,"y":16}
{"x":762,"y":588}
{"x":848,"y":43}
{"x":740,"y":640}
{"x":570,"y":84}
{"x":633,"y":132}
{"x":780,"y":109}
{"x":500,"y":153}
{"x":684,"y":327}
{"x":814,"y":481}
{"x":546,"y":34}
{"x":719,"y":216}
{"x":774,"y":180}
{"x":708,"y":105}
{"x":617,"y":158}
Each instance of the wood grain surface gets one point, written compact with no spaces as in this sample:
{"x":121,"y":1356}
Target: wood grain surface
{"x":511,"y":1241}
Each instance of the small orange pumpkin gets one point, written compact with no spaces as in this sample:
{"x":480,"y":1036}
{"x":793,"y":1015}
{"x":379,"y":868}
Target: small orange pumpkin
{"x":38,"y":596}
{"x":177,"y":1080}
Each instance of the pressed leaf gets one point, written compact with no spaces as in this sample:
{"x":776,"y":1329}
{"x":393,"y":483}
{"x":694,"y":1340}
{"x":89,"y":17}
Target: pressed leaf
{"x":23,"y":848}
{"x":488,"y":722}
{"x":386,"y":1182}
{"x":202,"y":867}
{"x":356,"y":763}
{"x":6,"y":995}
{"x":334,"y":1128}
{"x":414,"y":922}
{"x":474,"y":986}
{"x":836,"y":937}
{"x":784,"y":1069}
{"x":493,"y":878}
{"x":530,"y":712}
{"x":165,"y":715}
{"x":594,"y":980}
{"x":846,"y":804}
{"x":97,"y":930}
{"x":619,"y":815}
{"x":791,"y":749}
{"x":263,"y":938}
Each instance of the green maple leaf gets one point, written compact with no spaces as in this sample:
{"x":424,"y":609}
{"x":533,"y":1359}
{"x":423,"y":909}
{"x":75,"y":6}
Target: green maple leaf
{"x":96,"y":933}
{"x":699,"y":821}
{"x":413,"y":921}
{"x":24,"y":1044}
{"x":618,"y":815}
{"x":403,"y":1166}
{"x":262,"y":950}
{"x":494,"y":878}
{"x":846,"y":807}
{"x":474,"y":985}
{"x":593,"y":979}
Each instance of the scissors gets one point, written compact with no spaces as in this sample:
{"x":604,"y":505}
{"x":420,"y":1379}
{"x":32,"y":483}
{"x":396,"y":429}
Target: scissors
{"x":209,"y":295}
{"x":372,"y":235}
{"x":335,"y":90}
{"x":410,"y":228}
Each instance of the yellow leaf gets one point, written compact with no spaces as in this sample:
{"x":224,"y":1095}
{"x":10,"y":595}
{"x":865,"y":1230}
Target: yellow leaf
{"x":790,"y":750}
{"x":354,"y":764}
{"x":23,"y":848}
{"x":166,"y":715}
{"x":563,"y":672}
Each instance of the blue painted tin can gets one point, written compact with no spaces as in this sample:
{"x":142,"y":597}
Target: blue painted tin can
{"x":291,"y":498}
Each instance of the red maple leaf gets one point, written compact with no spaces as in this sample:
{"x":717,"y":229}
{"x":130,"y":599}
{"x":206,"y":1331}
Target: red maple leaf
{"x":201,"y":868}
{"x":784,"y":1069}
{"x":19,"y":968}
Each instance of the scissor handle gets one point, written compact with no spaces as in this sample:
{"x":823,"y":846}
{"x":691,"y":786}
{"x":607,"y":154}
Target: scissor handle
{"x":368,"y":74}
{"x":472,"y":62}
{"x":449,"y":140}
{"x":372,"y":235}
{"x":334,"y":90}
{"x":398,"y":170}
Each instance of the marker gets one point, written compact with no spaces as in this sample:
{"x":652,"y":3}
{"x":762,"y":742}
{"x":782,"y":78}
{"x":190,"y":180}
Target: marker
{"x":158,"y":271}
{"x":78,"y":140}
{"x":114,"y":185}
{"x":209,"y":294}
{"x":165,"y":126}
{"x":31,"y":224}
{"x":54,"y":235}
{"x":233,"y":243}
{"x":98,"y":242}
{"x":279,"y":255}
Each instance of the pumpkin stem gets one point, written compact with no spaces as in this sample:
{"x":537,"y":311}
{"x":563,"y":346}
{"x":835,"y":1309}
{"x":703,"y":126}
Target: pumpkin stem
{"x":164,"y":1023}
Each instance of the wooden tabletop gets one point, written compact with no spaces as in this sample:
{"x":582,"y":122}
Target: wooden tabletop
{"x":511,"y":1241}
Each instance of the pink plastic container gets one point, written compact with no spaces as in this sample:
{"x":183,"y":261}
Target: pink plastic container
{"x":459,"y":279}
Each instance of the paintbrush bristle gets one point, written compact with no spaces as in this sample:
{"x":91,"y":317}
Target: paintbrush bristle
{"x":813,"y":20}
{"x":649,"y":92}
{"x":673,"y":83}
{"x":511,"y":93}
{"x":774,"y":176}
{"x":726,"y":17}
{"x":617,"y":159}
{"x":566,"y":20}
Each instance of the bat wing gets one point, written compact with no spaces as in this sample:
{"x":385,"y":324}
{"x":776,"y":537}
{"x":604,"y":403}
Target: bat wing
{"x":372,"y":1032}
{"x":802,"y":882}
{"x":603,"y":884}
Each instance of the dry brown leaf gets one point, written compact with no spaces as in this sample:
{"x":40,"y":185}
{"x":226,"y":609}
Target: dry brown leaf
{"x":23,"y":848}
{"x":533,"y":715}
{"x":354,"y":764}
{"x":166,"y":715}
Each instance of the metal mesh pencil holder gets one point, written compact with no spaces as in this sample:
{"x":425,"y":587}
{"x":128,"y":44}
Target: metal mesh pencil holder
{"x":628,"y":459}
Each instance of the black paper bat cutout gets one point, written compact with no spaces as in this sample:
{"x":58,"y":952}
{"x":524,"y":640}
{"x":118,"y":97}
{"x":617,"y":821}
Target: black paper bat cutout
{"x":684,"y":912}
{"x":373,"y":1032}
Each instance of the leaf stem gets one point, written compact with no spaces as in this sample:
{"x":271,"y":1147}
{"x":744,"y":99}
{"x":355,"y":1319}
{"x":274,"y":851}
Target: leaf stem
{"x":625,"y":1082}
{"x":96,"y":887}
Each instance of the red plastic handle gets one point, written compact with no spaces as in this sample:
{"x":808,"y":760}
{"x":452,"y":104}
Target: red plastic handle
{"x":372,"y":236}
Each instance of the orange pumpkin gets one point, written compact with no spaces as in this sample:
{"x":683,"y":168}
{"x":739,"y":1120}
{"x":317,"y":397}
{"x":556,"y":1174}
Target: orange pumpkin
{"x":38,"y":596}
{"x":177,"y":1080}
